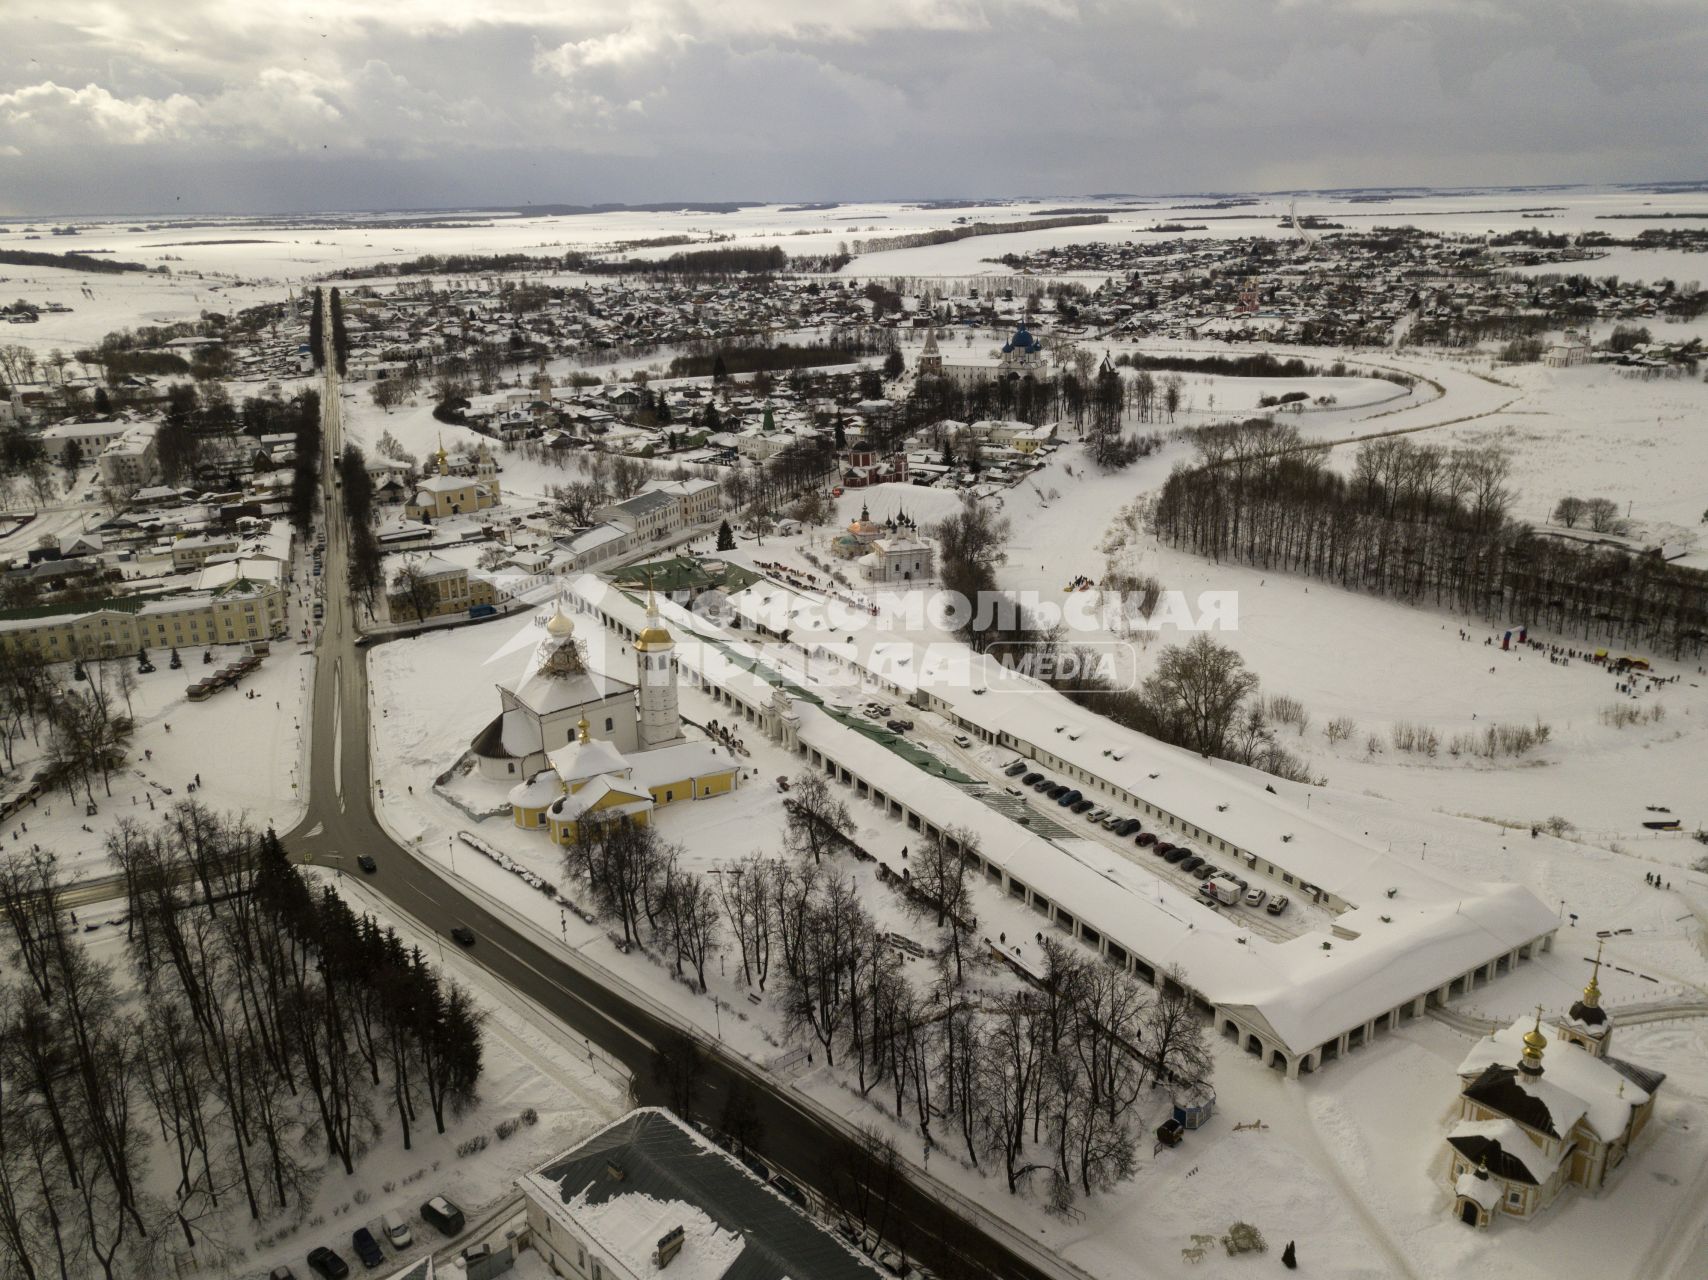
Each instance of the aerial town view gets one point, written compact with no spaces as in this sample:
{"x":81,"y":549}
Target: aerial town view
{"x":956,"y":640}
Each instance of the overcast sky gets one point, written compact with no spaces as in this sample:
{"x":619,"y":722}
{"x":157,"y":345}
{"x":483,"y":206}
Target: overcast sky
{"x":243,"y":105}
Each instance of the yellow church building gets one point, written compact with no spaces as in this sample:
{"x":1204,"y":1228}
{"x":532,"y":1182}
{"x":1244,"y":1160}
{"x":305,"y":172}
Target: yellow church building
{"x":444,"y":494}
{"x":593,"y":779}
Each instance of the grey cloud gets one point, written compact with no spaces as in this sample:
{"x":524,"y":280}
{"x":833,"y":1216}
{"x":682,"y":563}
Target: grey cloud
{"x":115,"y":108}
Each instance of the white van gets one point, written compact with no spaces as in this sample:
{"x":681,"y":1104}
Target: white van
{"x":396,"y":1230}
{"x":1223,"y":890}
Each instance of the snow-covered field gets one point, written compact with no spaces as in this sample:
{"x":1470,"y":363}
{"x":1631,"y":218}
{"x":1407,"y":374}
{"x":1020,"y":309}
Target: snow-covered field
{"x":247,"y":750}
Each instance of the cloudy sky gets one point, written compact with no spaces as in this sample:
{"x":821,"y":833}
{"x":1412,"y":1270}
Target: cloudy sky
{"x":243,"y":105}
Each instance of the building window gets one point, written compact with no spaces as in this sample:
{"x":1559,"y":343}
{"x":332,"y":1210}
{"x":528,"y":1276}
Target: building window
{"x":1515,"y":1199}
{"x":608,"y":724}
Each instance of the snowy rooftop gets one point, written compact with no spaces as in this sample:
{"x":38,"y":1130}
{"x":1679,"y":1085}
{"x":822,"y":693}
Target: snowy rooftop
{"x":733,"y":1226}
{"x":1304,"y":994}
{"x":1574,"y":1083}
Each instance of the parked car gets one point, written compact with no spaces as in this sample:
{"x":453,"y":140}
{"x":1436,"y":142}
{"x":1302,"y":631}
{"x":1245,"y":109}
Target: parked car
{"x":327,"y":1264}
{"x":1097,"y":814}
{"x":396,"y":1230}
{"x":444,"y":1215}
{"x":1255,"y":897}
{"x":1080,"y":806}
{"x":961,"y":740}
{"x":1016,"y":769}
{"x":1145,"y":839}
{"x":1191,"y":863}
{"x":1015,"y":791}
{"x":756,"y":1166}
{"x":1070,"y":797}
{"x":366,"y":863}
{"x":1057,"y":790}
{"x":1044,"y":784}
{"x":367,"y":1248}
{"x":1277,"y":904}
{"x":1164,"y":848}
{"x":788,"y":1190}
{"x":1176,"y":856}
{"x":1032,"y":779}
{"x":463,"y":936}
{"x":1127,"y":827}
{"x":895,"y":726}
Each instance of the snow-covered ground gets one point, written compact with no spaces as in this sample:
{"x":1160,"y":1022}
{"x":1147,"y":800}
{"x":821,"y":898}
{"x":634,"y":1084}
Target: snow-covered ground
{"x":248,"y":751}
{"x":1363,"y":1136}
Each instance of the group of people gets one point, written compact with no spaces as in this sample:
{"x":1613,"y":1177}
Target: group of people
{"x":1655,"y":882}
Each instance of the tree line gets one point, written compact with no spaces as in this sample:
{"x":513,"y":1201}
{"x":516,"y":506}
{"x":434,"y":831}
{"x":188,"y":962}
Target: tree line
{"x":367,"y":562}
{"x":1422,"y":524}
{"x":948,"y":235}
{"x":259,"y":1019}
{"x":71,"y":262}
{"x":1042,"y":1083}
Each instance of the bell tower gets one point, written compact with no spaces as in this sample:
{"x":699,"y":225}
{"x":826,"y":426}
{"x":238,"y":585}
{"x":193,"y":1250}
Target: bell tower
{"x":660,"y":720}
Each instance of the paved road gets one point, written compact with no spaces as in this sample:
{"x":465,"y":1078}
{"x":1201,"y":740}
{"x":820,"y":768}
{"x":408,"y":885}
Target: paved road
{"x":340,"y":824}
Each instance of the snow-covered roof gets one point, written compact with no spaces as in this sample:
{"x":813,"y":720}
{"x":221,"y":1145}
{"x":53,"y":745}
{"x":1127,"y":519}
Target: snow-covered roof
{"x":627,"y":799}
{"x":537,"y":792}
{"x":1483,"y":1192}
{"x":576,"y":761}
{"x":682,"y":760}
{"x":1574,"y":1083}
{"x":543,"y":693}
{"x":1298,"y":992}
{"x":1475,"y":1135}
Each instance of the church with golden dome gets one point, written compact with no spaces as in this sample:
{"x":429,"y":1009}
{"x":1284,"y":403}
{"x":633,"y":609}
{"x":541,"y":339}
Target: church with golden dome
{"x":582,"y":745}
{"x":1532,"y":1122}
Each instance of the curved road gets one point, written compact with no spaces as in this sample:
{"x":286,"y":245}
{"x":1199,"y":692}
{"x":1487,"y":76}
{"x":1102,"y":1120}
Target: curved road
{"x":339,"y":823}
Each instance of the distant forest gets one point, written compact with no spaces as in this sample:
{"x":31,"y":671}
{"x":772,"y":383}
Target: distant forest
{"x":1424,"y":525}
{"x":69,"y":261}
{"x":726,"y":261}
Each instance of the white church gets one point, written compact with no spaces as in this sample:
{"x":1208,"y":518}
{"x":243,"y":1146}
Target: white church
{"x":580,"y":744}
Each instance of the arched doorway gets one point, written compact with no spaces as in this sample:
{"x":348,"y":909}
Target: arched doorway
{"x":1471,"y":1215}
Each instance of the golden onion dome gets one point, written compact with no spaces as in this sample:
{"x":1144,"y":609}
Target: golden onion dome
{"x":560,"y":624}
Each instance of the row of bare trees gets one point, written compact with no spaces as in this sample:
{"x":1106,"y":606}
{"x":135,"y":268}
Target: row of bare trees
{"x":259,"y":1021}
{"x":1042,"y":1082}
{"x":1423,"y":524}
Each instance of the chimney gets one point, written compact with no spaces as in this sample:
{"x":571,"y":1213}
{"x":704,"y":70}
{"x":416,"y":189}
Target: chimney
{"x":669,"y":1245}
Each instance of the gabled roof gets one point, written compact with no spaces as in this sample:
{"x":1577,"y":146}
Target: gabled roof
{"x":1510,"y":1154}
{"x":1532,"y":1101}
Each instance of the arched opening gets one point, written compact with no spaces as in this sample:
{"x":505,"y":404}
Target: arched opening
{"x":1278,"y":1060}
{"x":1254,"y":1046}
{"x":1470,"y":1215}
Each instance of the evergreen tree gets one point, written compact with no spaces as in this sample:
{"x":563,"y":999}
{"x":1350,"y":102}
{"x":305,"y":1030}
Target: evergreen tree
{"x":726,"y":537}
